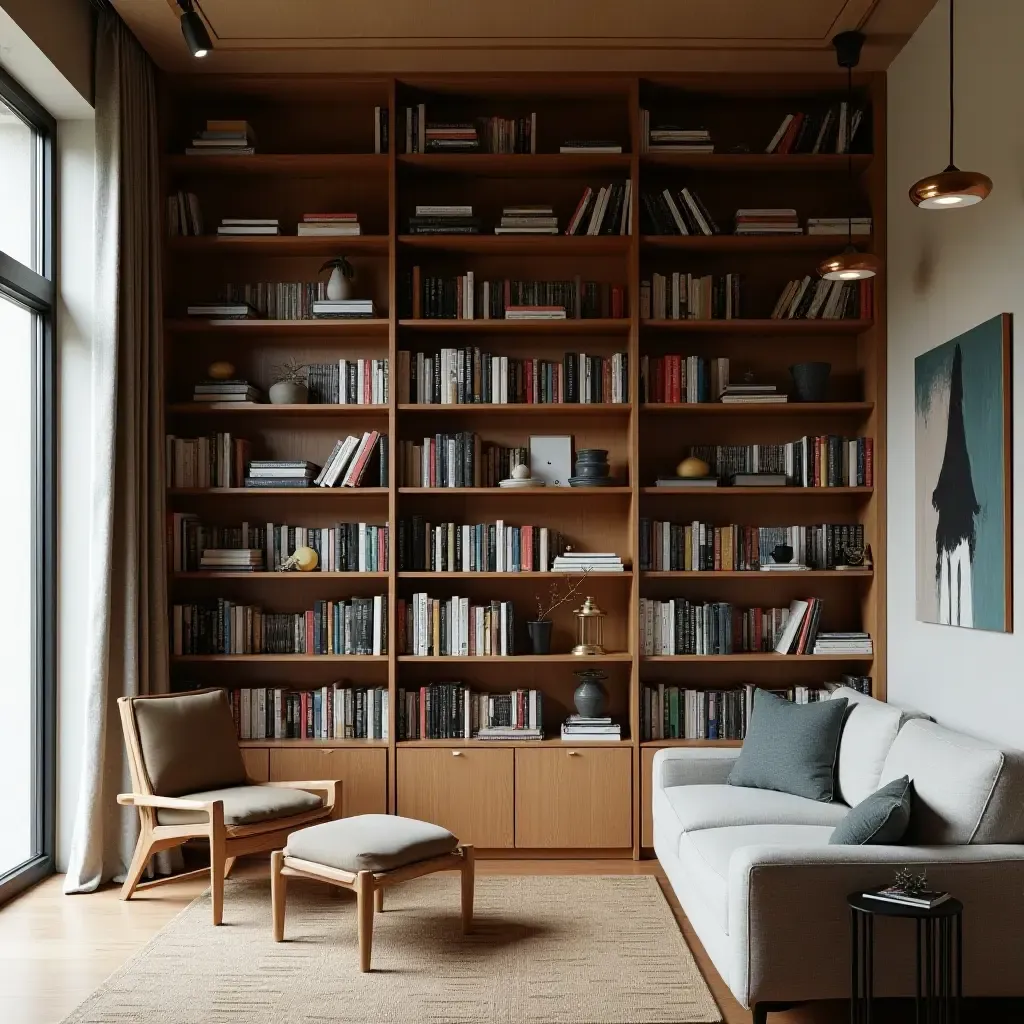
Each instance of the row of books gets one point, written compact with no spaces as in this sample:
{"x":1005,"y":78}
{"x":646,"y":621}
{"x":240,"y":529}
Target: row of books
{"x":679,"y":626}
{"x":445,"y":711}
{"x":469,"y":376}
{"x":800,"y":632}
{"x":454,"y":627}
{"x":333,"y":712}
{"x":214,"y":460}
{"x":682,"y":213}
{"x":482,"y":134}
{"x":381,"y":130}
{"x":463,"y":297}
{"x":352,"y":457}
{"x":705,"y":547}
{"x":271,"y":300}
{"x":677,"y":379}
{"x":348,"y":382}
{"x":826,"y":460}
{"x":184,"y":217}
{"x":829,"y":131}
{"x":457,"y":460}
{"x":343,"y":547}
{"x":811,"y":298}
{"x":356,"y":625}
{"x":483,"y":547}
{"x":682,"y":296}
{"x":607,"y":210}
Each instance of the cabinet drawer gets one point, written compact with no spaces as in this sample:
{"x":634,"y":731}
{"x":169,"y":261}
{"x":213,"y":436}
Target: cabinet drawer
{"x":646,"y":793}
{"x":574,"y":797}
{"x":257,"y":763}
{"x":468,"y":791}
{"x":363,"y":774}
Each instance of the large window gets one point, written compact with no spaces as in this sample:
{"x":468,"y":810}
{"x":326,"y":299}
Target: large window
{"x":27,"y":691}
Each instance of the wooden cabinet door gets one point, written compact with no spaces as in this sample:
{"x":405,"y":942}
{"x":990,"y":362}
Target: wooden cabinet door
{"x":257,"y":763}
{"x":468,"y":791}
{"x":574,"y":797}
{"x":646,"y":793}
{"x":363,"y":774}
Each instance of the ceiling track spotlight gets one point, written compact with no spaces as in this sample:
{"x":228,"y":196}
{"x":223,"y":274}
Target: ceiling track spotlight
{"x":850,"y":264}
{"x":951,"y":189}
{"x":194,"y":30}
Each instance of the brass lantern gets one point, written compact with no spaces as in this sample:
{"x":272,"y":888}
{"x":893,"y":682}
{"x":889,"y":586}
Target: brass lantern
{"x":589,"y":629}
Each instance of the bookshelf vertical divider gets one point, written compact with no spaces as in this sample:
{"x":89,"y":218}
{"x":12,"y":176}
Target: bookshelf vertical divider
{"x":571,"y":800}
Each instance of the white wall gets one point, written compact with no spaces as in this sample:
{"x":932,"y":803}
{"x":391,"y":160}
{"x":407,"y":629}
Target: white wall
{"x":947,"y":272}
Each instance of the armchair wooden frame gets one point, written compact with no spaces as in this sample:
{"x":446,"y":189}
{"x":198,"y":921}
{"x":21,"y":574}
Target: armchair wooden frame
{"x":227,"y":842}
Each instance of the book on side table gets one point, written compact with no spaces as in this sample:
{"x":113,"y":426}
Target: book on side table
{"x":925,"y":900}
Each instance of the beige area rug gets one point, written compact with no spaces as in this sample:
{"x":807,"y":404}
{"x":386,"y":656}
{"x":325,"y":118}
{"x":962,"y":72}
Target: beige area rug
{"x":545,"y":950}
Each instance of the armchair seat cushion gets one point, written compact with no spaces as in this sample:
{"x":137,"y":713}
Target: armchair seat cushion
{"x":370,"y":842}
{"x":245,"y":805}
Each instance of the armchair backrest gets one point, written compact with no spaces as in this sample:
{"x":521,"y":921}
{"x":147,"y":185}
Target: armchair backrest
{"x":181,"y":743}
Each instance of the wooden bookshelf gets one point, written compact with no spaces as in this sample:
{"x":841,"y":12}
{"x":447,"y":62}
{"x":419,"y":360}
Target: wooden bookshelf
{"x":315,"y":141}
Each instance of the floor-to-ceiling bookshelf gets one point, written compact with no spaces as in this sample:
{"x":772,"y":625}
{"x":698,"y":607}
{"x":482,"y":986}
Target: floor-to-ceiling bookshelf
{"x":315,"y":152}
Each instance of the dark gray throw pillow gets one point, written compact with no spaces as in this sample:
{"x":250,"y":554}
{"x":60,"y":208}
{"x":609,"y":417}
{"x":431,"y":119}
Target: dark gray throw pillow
{"x":791,"y":748}
{"x":879,"y":820}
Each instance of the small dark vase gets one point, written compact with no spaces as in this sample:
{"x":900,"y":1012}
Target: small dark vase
{"x":783,"y":554}
{"x":540,"y":636}
{"x":811,"y":381}
{"x":589,"y":696}
{"x":592,"y":463}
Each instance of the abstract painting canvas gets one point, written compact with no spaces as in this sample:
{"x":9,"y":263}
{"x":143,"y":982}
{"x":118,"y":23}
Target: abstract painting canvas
{"x":962,"y":416}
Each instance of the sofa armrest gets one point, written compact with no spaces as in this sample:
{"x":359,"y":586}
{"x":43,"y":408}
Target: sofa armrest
{"x":693,"y":766}
{"x":794,"y":898}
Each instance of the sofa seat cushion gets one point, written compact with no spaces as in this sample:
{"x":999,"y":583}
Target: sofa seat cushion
{"x":370,"y":842}
{"x":245,"y":805}
{"x":705,"y":855}
{"x":700,"y":807}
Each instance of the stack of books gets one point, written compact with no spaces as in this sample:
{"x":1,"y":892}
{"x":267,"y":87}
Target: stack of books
{"x":224,"y":138}
{"x":608,"y":211}
{"x":590,"y":146}
{"x":535,"y":313}
{"x":183,"y":214}
{"x":669,"y":138}
{"x":248,"y":226}
{"x":223,"y":310}
{"x":784,"y":567}
{"x":232,"y":559}
{"x":577,"y":729}
{"x":686,"y":482}
{"x":583,"y":561}
{"x":768,"y":221}
{"x":349,"y":460}
{"x":752,"y":394}
{"x":344,"y":309}
{"x":758,"y":480}
{"x":681,"y":214}
{"x":926,"y":899}
{"x":444,"y":220}
{"x":226,"y":391}
{"x":843,"y":643}
{"x":838,"y":225}
{"x":527,"y":220}
{"x":272,"y":473}
{"x":321,"y":225}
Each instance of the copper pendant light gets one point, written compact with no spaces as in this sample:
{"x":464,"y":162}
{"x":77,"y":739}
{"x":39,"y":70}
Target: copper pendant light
{"x":849,"y":265}
{"x":953,"y":189}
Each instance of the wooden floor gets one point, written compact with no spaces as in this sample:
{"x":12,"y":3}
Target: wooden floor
{"x":55,"y":949}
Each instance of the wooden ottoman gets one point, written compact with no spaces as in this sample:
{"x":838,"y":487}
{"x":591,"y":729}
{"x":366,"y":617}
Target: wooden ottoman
{"x":368,"y":853}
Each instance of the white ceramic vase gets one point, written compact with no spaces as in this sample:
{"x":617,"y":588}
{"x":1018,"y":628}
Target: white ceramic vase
{"x":339,"y":286}
{"x":287,"y":392}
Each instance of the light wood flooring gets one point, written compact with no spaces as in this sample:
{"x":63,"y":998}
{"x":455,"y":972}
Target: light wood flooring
{"x":55,"y":949}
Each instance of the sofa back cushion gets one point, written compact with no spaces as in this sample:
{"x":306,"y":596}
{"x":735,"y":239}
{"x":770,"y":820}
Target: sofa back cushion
{"x":965,"y":790}
{"x":188,"y":742}
{"x":868,"y":733}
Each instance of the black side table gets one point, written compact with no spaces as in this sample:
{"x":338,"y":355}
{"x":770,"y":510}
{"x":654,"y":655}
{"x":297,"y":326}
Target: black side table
{"x":939,"y":958}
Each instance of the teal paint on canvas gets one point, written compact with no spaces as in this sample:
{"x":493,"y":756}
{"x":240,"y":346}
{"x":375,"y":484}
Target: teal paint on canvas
{"x":982,"y":365}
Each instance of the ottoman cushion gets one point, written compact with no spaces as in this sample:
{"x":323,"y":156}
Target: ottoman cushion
{"x":370,"y":842}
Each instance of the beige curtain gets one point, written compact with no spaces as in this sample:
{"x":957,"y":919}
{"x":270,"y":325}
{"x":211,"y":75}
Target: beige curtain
{"x":128,"y":652}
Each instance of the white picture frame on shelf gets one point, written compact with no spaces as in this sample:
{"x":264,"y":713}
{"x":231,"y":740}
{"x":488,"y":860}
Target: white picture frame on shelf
{"x":551,"y":459}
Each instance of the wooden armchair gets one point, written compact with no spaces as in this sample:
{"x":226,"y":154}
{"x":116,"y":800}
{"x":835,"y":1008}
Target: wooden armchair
{"x":189,"y":782}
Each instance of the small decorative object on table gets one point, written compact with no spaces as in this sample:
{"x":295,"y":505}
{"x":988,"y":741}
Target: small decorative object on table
{"x":220,"y":370}
{"x":343,"y":274}
{"x":589,"y":629}
{"x":302,"y":560}
{"x":692,"y":468}
{"x":811,"y":381}
{"x":520,"y":478}
{"x":589,"y":696}
{"x":853,"y":557}
{"x":592,"y":469}
{"x":540,"y":628}
{"x":938,"y":921}
{"x":289,"y":387}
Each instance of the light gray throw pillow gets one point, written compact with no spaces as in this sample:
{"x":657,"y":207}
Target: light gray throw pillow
{"x":791,"y":748}
{"x":881,"y":819}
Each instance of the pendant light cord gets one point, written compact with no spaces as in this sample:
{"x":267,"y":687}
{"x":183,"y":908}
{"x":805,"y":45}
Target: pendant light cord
{"x":849,"y":156}
{"x":951,"y":83}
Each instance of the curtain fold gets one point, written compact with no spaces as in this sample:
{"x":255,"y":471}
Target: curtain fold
{"x":128,"y":634}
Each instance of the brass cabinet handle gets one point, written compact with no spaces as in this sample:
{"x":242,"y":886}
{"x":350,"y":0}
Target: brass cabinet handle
{"x":574,"y":753}
{"x":456,"y":753}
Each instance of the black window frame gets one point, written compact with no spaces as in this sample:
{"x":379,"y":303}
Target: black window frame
{"x":37,"y":292}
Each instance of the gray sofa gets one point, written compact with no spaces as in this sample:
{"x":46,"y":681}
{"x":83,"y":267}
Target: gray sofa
{"x":766,"y":893}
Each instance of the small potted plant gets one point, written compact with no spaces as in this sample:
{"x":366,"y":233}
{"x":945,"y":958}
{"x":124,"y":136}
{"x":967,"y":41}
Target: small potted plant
{"x":540,"y":628}
{"x":339,"y":284}
{"x":289,"y":387}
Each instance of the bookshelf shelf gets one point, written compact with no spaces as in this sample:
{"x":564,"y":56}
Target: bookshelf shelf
{"x":278,"y":245}
{"x":325,"y":166}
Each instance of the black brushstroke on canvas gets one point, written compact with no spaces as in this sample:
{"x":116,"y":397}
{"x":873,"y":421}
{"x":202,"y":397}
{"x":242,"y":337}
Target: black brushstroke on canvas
{"x":954,"y":498}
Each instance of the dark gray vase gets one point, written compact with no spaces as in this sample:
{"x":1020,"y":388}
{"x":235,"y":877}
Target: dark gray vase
{"x":540,"y":636}
{"x":592,"y":463}
{"x":810,"y":381}
{"x":590,"y":696}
